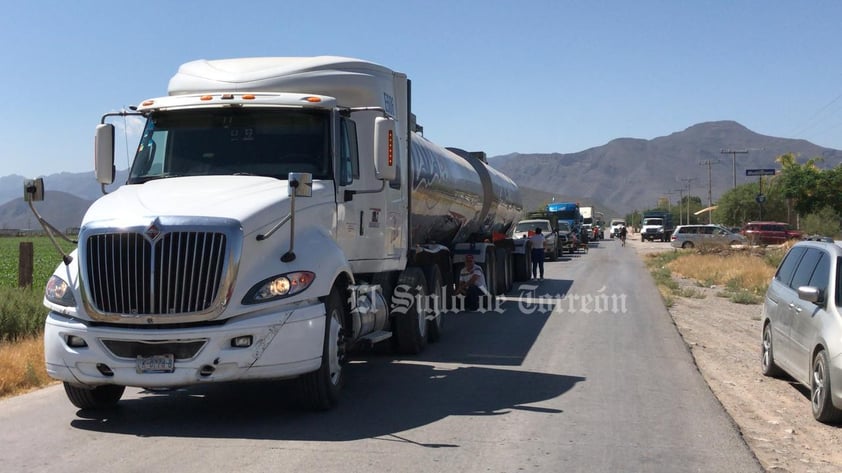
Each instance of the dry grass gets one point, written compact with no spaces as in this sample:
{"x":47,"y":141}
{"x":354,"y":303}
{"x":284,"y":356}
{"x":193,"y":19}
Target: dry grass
{"x":742,"y":270}
{"x":22,"y":366}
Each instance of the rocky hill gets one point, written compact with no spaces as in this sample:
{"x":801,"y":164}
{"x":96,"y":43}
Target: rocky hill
{"x":628,"y":174}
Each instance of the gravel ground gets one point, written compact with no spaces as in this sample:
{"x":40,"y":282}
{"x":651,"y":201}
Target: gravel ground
{"x":772,"y":414}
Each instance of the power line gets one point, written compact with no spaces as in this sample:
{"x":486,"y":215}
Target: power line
{"x":709,"y":163}
{"x":734,"y":153}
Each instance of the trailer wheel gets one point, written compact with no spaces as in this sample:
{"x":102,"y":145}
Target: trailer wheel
{"x":510,"y":270}
{"x":321,"y":388}
{"x":411,"y":323}
{"x":489,"y":269}
{"x":501,"y":261}
{"x":523,"y":265}
{"x":100,"y":397}
{"x":435,"y":282}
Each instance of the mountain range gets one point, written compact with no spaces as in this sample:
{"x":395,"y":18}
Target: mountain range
{"x":623,"y":175}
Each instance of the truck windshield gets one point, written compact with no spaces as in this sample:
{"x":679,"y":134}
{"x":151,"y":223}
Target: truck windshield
{"x":653,"y":221}
{"x":262,"y":142}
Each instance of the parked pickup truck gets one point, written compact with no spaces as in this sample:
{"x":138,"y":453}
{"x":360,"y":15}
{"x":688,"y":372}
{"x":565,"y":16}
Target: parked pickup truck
{"x":526,"y":228}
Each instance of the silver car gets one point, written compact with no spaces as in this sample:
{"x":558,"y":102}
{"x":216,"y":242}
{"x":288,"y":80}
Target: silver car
{"x":802,"y":324}
{"x":691,"y":236}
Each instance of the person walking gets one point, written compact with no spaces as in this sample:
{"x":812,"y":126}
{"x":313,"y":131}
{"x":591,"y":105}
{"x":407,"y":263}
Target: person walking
{"x":623,"y":233}
{"x":537,"y":254}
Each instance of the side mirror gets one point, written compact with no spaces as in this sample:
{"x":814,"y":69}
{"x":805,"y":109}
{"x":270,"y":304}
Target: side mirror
{"x":33,"y":190}
{"x":384,"y":149}
{"x":811,"y":294}
{"x":300,"y":184}
{"x":104,"y":153}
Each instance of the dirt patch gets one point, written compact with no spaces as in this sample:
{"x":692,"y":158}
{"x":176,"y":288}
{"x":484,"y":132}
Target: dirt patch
{"x":773,"y":414}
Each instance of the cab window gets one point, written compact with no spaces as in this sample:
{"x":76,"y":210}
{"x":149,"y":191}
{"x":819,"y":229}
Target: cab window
{"x":349,"y":158}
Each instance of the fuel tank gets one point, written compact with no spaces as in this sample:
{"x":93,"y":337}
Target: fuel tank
{"x":457,"y":197}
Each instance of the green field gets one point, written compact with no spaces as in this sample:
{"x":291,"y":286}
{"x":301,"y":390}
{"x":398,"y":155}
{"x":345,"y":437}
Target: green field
{"x":21,"y":311}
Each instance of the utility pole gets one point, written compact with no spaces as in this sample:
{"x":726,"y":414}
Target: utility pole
{"x":734,"y":153}
{"x":680,"y":213}
{"x":708,"y":163}
{"x":688,"y":180}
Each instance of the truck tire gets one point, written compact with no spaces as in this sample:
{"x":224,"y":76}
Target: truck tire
{"x":410,"y":327}
{"x":435,"y":282}
{"x":523,"y":265}
{"x":321,"y":388}
{"x":502,"y":270}
{"x":489,"y":269}
{"x":100,"y":397}
{"x":510,"y":272}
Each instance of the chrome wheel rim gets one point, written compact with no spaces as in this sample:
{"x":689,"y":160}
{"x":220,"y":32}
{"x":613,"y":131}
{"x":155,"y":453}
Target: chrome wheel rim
{"x":819,"y":393}
{"x":767,"y":347}
{"x":335,"y":349}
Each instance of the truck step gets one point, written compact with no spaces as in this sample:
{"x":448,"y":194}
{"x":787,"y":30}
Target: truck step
{"x":375,"y":337}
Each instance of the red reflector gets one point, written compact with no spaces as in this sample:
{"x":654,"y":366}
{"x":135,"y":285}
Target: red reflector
{"x":391,"y":159}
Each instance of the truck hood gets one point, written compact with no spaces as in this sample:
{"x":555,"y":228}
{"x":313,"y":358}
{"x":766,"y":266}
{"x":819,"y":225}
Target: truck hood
{"x":255,"y":201}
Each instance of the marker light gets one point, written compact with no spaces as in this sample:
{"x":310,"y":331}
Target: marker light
{"x":313,"y":99}
{"x":206,"y":98}
{"x":249,"y":97}
{"x":391,"y":148}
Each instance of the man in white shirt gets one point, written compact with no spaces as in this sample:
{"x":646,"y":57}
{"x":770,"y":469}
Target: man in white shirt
{"x":537,"y":254}
{"x":471,"y":283}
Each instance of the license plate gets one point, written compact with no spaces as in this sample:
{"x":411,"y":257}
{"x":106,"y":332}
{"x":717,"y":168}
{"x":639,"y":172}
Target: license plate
{"x":156,"y":364}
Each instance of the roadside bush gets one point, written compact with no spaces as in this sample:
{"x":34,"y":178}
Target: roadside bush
{"x":21,"y":313}
{"x":824,"y":223}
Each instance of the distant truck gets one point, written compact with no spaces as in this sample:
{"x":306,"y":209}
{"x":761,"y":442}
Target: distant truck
{"x":567,"y":212}
{"x":657,"y":225}
{"x":589,"y":221}
{"x":278,"y":213}
{"x":616,"y":224}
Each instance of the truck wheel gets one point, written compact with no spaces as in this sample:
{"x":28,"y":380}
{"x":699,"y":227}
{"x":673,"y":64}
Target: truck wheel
{"x":489,"y":268}
{"x":411,"y":325}
{"x":523,"y":265}
{"x":100,"y":397}
{"x":321,"y":388}
{"x":502,"y":269}
{"x":432,"y":274}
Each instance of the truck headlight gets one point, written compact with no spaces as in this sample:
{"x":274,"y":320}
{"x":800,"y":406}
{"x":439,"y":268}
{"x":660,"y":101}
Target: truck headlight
{"x":58,"y":292}
{"x":277,"y":287}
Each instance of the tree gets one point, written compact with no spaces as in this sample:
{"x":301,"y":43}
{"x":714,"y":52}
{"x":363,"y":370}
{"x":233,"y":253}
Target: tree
{"x":802,"y":184}
{"x":738,"y":205}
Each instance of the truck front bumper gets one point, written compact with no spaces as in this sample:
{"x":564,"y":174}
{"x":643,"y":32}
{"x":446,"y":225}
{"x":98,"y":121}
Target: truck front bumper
{"x":283,"y":344}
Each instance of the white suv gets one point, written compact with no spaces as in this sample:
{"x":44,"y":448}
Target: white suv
{"x":802,"y":324}
{"x":525,"y":228}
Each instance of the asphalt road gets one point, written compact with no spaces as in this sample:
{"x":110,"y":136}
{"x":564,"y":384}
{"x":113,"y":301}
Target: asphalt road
{"x":581,"y":372}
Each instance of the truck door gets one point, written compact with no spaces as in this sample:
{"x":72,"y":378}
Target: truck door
{"x":365,"y":219}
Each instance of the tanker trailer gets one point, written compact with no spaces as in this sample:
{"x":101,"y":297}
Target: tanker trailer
{"x":278,"y":212}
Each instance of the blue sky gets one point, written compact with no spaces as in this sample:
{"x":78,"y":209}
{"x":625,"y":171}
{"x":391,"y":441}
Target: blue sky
{"x":499,"y":76}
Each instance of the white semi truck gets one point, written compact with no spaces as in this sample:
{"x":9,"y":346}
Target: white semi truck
{"x":278,"y":212}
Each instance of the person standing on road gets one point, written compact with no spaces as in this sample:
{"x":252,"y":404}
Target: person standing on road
{"x":537,"y":254}
{"x":623,"y":232}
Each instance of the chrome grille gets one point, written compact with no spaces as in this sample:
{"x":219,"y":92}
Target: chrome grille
{"x":180,"y":272}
